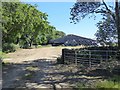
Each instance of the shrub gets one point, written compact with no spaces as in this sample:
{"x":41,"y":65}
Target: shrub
{"x":60,"y":60}
{"x":9,"y":47}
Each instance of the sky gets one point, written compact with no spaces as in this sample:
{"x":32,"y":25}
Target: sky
{"x":59,"y":14}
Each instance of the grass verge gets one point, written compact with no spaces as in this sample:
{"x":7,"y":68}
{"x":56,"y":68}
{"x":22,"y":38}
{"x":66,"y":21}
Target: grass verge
{"x":111,"y":83}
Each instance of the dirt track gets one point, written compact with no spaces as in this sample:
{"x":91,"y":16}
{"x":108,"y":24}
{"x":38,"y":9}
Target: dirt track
{"x":36,"y":68}
{"x":34,"y":54}
{"x":45,"y":73}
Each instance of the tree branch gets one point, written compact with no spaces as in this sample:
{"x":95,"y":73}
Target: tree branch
{"x":109,"y":11}
{"x":106,"y":6}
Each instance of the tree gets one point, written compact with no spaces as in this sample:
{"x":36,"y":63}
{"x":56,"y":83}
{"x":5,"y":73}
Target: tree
{"x":21,"y":22}
{"x":50,"y":33}
{"x":106,"y":33}
{"x":24,"y":25}
{"x":82,"y":9}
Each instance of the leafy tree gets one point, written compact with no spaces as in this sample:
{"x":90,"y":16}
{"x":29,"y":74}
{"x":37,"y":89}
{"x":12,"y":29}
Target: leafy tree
{"x":59,"y":34}
{"x":50,"y":33}
{"x":106,"y":33}
{"x":24,"y":25}
{"x":82,"y":9}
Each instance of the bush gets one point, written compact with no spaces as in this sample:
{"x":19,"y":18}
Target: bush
{"x":60,"y":60}
{"x":9,"y":47}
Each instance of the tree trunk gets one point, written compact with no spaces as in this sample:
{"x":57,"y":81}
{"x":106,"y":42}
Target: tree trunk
{"x":117,"y":23}
{"x":30,"y":43}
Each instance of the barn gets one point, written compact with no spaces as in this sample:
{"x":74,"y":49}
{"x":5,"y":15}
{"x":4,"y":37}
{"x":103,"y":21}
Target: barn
{"x":73,"y":40}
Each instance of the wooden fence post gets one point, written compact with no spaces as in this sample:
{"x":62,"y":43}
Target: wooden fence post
{"x":75,"y":57}
{"x":63,"y":51}
{"x":90,"y":59}
{"x":106,"y":56}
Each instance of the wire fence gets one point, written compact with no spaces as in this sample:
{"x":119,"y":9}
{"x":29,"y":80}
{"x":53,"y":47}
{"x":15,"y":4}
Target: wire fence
{"x":88,"y":58}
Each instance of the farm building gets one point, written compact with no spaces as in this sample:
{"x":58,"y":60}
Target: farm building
{"x":73,"y":40}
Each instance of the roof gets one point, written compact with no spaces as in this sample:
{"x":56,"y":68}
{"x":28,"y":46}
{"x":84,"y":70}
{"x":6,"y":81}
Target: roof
{"x":74,"y":40}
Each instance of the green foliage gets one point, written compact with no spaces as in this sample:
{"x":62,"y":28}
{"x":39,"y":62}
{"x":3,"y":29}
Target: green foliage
{"x":28,"y":76}
{"x":115,"y":78}
{"x":32,"y":68}
{"x":108,"y":29}
{"x":60,"y":60}
{"x":82,"y":9}
{"x":107,"y":32}
{"x":24,"y":25}
{"x":111,"y":83}
{"x":9,"y":47}
{"x":2,"y":55}
{"x":108,"y":84}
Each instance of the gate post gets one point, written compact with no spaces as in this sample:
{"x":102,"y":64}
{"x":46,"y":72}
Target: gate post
{"x":75,"y":57}
{"x":89,"y":58}
{"x":63,"y":51}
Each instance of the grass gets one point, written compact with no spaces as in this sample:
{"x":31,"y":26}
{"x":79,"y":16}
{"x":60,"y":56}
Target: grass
{"x":116,"y":78}
{"x":27,"y":76}
{"x":2,"y":55}
{"x":32,"y":68}
{"x":108,"y":84}
{"x":111,"y":83}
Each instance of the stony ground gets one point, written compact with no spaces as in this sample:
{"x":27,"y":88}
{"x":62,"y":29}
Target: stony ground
{"x":37,"y":68}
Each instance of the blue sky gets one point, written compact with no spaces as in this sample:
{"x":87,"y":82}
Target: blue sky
{"x":59,"y":14}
